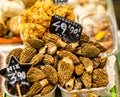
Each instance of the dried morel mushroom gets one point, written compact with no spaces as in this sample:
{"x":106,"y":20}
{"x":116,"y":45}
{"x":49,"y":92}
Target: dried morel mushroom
{"x":84,"y":38}
{"x":48,"y":37}
{"x":103,"y":62}
{"x":65,"y":53}
{"x":47,"y":89}
{"x":79,"y":69}
{"x":15,"y":52}
{"x":27,"y":54}
{"x":51,"y":48}
{"x":100,"y":77}
{"x":48,"y":59}
{"x":65,"y":70}
{"x":78,"y":84}
{"x":69,"y":85}
{"x":35,"y":74}
{"x":72,"y":46}
{"x":86,"y":79}
{"x":36,"y":59}
{"x":51,"y":73}
{"x":36,"y":87}
{"x":35,"y":43}
{"x":96,"y":62}
{"x":89,"y":50}
{"x":88,"y":64}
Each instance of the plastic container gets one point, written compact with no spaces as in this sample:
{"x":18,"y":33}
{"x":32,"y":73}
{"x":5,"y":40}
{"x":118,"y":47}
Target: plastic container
{"x":100,"y":91}
{"x":51,"y":94}
{"x":106,"y":37}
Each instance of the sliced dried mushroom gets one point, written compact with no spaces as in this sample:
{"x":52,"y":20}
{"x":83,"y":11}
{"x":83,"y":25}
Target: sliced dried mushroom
{"x":65,"y":70}
{"x":48,"y":59}
{"x":88,"y":64}
{"x":35,"y":74}
{"x":72,"y":56}
{"x":89,"y":50}
{"x":100,"y":77}
{"x":86,"y":79}
{"x":15,"y":52}
{"x":42,"y":50}
{"x":27,"y":54}
{"x":36,"y":87}
{"x":35,"y":43}
{"x":79,"y":69}
{"x":51,"y":73}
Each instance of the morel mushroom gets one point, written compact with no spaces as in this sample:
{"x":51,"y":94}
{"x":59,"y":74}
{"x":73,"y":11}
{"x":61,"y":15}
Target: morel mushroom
{"x":15,"y":52}
{"x":65,"y":53}
{"x":51,"y":73}
{"x":36,"y":87}
{"x":86,"y":79}
{"x":27,"y":54}
{"x":35,"y":74}
{"x":65,"y":70}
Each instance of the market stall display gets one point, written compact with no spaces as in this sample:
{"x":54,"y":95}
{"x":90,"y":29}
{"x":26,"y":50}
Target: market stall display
{"x":79,"y":67}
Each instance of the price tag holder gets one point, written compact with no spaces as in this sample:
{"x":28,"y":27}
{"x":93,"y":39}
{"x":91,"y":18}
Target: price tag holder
{"x":62,"y":2}
{"x":68,"y":30}
{"x":15,"y":73}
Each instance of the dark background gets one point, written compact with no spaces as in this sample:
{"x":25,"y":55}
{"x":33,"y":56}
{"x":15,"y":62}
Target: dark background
{"x":116,"y":4}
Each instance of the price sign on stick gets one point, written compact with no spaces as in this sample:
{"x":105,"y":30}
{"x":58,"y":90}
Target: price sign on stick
{"x":60,"y":1}
{"x":68,"y":30}
{"x":15,"y":73}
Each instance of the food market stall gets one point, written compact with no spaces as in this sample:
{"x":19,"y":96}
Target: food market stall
{"x":63,"y":62}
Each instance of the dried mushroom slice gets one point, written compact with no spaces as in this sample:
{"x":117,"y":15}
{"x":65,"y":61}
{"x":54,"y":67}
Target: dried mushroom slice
{"x":48,"y":59}
{"x":47,"y":89}
{"x":88,"y":64}
{"x":65,"y":70}
{"x":89,"y":50}
{"x":100,"y":77}
{"x":72,"y":56}
{"x":15,"y":52}
{"x":79,"y":69}
{"x":51,"y":73}
{"x":86,"y":79}
{"x":35,"y":74}
{"x":36,"y":87}
{"x":27,"y":54}
{"x":35,"y":43}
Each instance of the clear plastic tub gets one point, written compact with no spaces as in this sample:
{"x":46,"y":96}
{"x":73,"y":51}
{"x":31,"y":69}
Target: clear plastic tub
{"x":100,"y":91}
{"x":94,"y":24}
{"x":51,"y":94}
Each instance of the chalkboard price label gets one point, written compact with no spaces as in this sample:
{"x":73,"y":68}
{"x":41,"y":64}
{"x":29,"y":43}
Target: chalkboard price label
{"x":15,"y":73}
{"x":62,"y":2}
{"x":68,"y":30}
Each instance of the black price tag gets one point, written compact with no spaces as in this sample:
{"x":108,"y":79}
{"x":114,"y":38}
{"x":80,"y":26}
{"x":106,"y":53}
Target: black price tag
{"x":62,"y":2}
{"x":15,"y":73}
{"x":68,"y":30}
